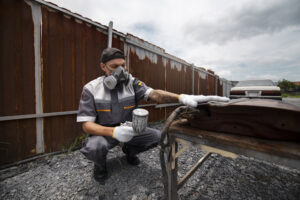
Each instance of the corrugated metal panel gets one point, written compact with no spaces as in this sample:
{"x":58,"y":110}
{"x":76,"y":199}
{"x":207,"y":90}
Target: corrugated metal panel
{"x":187,"y":80}
{"x":60,"y":132}
{"x":71,"y":52}
{"x":178,"y":78}
{"x":211,"y":85}
{"x":17,"y":59}
{"x":155,"y":114}
{"x":17,"y":138}
{"x":202,"y":83}
{"x":148,"y":67}
{"x":196,"y":83}
{"x":71,"y":55}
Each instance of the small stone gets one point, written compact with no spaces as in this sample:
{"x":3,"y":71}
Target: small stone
{"x":84,"y":164}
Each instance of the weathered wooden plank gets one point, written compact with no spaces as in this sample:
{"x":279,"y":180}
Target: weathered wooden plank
{"x":283,"y":149}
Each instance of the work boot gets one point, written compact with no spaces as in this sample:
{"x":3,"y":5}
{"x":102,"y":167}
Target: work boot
{"x":131,"y":158}
{"x":100,"y":174}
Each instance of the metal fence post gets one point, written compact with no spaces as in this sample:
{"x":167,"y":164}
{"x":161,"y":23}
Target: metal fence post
{"x":110,"y":27}
{"x":193,"y":81}
{"x":216,"y":84}
{"x":37,"y":21}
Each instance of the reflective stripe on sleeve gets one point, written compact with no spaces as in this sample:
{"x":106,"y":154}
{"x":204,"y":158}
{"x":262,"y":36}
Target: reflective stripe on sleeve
{"x":85,"y":119}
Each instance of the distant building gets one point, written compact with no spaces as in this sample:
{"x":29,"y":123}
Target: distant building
{"x":297,"y":83}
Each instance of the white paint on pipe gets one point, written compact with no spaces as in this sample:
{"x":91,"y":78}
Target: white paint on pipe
{"x":110,"y":27}
{"x":126,"y":53}
{"x":37,"y":22}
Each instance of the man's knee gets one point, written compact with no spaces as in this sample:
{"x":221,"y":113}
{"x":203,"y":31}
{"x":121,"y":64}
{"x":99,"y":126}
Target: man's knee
{"x":156,"y":134}
{"x":95,"y":147}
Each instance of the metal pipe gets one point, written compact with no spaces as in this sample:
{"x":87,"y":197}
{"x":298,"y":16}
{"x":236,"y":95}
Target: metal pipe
{"x":4,"y":167}
{"x":30,"y":116}
{"x":53,"y":114}
{"x":167,"y":105}
{"x":110,"y":34}
{"x":37,"y":20}
{"x":216,"y":85}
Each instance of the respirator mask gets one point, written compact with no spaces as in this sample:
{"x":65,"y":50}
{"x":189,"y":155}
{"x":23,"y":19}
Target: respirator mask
{"x":117,"y":77}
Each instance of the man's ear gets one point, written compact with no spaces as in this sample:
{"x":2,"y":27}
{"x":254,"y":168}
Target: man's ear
{"x":102,"y":66}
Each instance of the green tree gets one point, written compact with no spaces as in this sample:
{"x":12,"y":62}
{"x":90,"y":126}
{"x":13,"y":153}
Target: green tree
{"x":286,"y":85}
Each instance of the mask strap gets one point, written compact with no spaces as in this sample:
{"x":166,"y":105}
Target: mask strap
{"x":107,"y":67}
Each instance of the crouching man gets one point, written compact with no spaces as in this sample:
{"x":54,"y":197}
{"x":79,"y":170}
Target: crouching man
{"x":108,"y":101}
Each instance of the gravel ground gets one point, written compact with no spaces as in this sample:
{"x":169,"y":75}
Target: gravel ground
{"x":69,"y":176}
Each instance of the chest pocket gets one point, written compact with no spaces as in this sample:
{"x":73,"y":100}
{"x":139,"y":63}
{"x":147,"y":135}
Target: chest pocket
{"x":127,"y":108}
{"x":104,"y":113}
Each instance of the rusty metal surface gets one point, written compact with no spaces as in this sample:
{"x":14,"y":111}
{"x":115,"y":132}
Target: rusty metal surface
{"x":201,"y":83}
{"x":17,"y":138}
{"x":211,"y":85}
{"x":71,"y":53}
{"x":155,"y":114}
{"x":196,"y":83}
{"x":16,"y":59}
{"x":188,"y":80}
{"x":60,"y":132}
{"x":148,"y":67}
{"x":178,"y":78}
{"x":269,"y":119}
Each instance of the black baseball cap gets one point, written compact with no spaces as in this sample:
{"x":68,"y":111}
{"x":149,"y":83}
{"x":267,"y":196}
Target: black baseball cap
{"x":111,"y":53}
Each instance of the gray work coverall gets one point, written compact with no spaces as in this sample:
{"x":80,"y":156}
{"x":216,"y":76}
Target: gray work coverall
{"x":110,"y":108}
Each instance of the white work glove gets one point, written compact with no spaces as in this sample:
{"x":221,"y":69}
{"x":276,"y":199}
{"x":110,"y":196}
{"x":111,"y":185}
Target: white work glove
{"x":123,"y":133}
{"x":193,"y":100}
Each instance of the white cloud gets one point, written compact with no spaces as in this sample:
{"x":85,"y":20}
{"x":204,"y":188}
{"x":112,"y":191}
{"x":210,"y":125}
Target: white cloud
{"x":237,"y":39}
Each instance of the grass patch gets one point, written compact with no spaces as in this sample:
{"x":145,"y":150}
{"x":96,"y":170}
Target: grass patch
{"x":284,"y":95}
{"x":77,"y":142}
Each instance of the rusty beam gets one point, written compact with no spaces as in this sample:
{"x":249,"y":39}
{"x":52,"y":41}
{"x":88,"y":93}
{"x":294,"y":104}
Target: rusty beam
{"x":192,"y":170}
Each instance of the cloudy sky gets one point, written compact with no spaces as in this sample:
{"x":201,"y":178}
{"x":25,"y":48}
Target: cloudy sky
{"x":244,"y":39}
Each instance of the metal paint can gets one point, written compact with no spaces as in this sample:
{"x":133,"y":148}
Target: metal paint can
{"x":139,"y":120}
